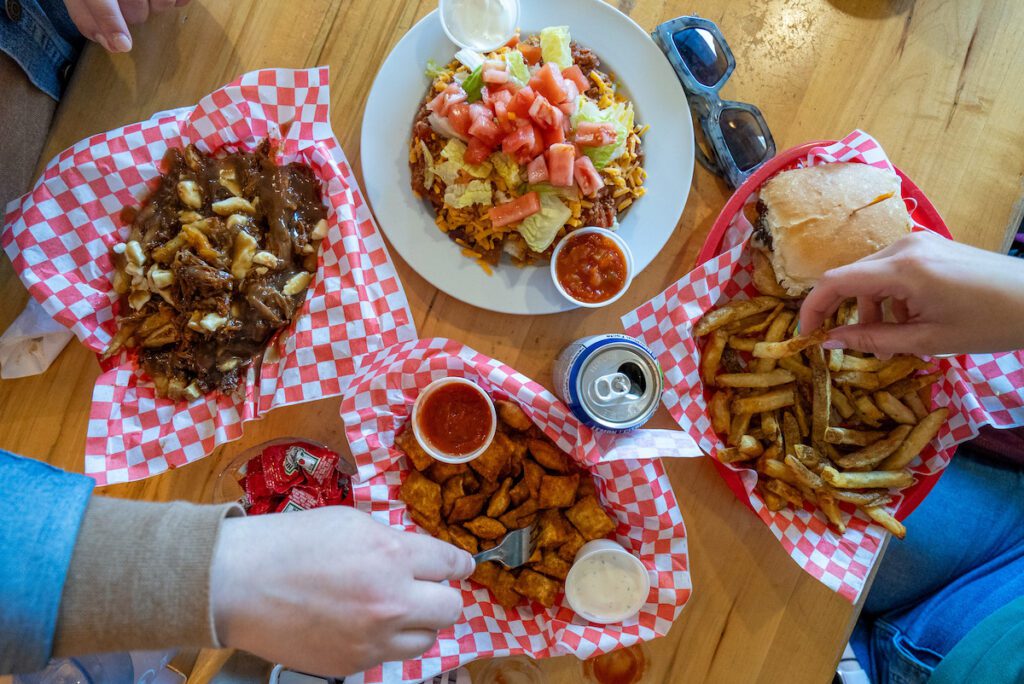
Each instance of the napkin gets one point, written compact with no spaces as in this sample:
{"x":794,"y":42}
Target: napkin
{"x":31,"y":343}
{"x":630,"y":480}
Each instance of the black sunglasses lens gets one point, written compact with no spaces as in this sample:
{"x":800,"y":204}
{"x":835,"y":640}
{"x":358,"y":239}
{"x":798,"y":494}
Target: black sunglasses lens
{"x":745,"y":137}
{"x":702,"y":55}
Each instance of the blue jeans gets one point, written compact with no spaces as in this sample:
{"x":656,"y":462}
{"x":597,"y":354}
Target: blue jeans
{"x":962,"y":560}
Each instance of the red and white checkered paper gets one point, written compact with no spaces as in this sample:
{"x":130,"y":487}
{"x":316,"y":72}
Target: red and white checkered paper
{"x":631,"y":483}
{"x":59,"y":237}
{"x":979,"y":389}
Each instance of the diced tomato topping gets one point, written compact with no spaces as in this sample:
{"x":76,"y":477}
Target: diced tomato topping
{"x":572,"y":94}
{"x":521,"y":101}
{"x":560,"y":164}
{"x":519,"y":144}
{"x":538,"y":144}
{"x":480,"y":111}
{"x":513,"y":41}
{"x":545,"y":114}
{"x":460,"y":119}
{"x":498,"y":95}
{"x":495,"y":76}
{"x":477,"y":152}
{"x":575,"y":74}
{"x":587,"y":177}
{"x":553,"y":136}
{"x":486,"y":130}
{"x":590,"y":134}
{"x":549,"y":83}
{"x":537,"y":170}
{"x":451,"y":95}
{"x":531,"y":53}
{"x":516,"y":210}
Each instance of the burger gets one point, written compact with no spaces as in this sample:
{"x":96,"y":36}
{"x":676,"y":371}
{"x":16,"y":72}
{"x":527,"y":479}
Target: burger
{"x":817,"y":218}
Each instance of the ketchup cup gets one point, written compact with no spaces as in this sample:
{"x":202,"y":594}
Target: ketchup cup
{"x":619,"y":242}
{"x":419,"y":432}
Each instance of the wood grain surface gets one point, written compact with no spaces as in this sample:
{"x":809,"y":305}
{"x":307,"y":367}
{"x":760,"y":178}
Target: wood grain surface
{"x":939,"y":83}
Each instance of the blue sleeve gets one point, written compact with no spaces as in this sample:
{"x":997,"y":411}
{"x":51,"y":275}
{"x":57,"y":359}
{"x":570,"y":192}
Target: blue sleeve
{"x":41,"y":509}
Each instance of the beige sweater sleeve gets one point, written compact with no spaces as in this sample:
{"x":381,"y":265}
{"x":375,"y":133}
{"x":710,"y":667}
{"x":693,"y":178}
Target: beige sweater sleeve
{"x":140,"y":577}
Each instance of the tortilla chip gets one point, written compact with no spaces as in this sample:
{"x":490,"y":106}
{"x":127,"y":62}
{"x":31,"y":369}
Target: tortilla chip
{"x":553,"y":566}
{"x":494,"y":460}
{"x":512,"y":415}
{"x":440,"y":472}
{"x":406,"y":441}
{"x":467,"y":507}
{"x":504,"y":589}
{"x":463,"y":539}
{"x":421,"y":494}
{"x":550,"y":456}
{"x":569,"y":549}
{"x":485,"y":528}
{"x":554,"y":530}
{"x":536,"y":586}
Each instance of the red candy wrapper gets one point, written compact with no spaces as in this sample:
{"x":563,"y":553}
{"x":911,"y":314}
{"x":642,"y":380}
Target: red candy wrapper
{"x":59,"y":237}
{"x":293,"y":475}
{"x":979,"y":389}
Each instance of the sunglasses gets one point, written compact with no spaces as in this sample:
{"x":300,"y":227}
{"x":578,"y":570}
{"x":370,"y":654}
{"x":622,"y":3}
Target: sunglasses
{"x":735,"y":133}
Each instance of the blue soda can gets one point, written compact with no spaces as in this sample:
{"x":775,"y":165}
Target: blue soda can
{"x":610,"y":382}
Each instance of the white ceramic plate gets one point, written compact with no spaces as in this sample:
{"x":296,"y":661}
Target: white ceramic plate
{"x":647,"y":79}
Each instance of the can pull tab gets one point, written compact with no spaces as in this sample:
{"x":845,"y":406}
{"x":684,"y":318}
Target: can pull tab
{"x":609,"y":388}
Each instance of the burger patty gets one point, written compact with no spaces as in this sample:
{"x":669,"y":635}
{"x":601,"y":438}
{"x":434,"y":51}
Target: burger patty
{"x":761,"y":232}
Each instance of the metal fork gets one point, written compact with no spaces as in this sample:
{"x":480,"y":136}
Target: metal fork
{"x":514,"y":550}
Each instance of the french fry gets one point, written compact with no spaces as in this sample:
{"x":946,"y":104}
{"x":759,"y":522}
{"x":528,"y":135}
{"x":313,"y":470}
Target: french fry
{"x":835,"y":360}
{"x":733,"y":455}
{"x":770,"y":425}
{"x":773,"y":501}
{"x":794,"y":366}
{"x":787,"y":492}
{"x":750,"y":446}
{"x":821,"y":406}
{"x":738,"y":427}
{"x":904,"y":387}
{"x":866,"y":365}
{"x":852,"y":437}
{"x":809,"y":457}
{"x":830,"y":507}
{"x":718,"y":407}
{"x":734,"y":310}
{"x":916,"y":405}
{"x":801,"y":418}
{"x":773,"y":452}
{"x":894,"y":408}
{"x":712,"y":356}
{"x":868,"y":412}
{"x":742,"y":343}
{"x":916,"y":441}
{"x":776,"y":333}
{"x":899,"y":368}
{"x":758,"y":380}
{"x":767,"y":401}
{"x":777,"y":470}
{"x":790,"y":433}
{"x":803,"y":474}
{"x":858,"y":379}
{"x":876,"y":452}
{"x":869,"y":497}
{"x":843,"y":405}
{"x":794,"y":345}
{"x":896,"y":479}
{"x":883,"y":518}
{"x":754,"y":327}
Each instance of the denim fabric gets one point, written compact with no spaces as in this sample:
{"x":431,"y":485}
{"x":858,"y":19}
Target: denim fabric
{"x":39,"y":36}
{"x":962,"y":560}
{"x":40,"y":513}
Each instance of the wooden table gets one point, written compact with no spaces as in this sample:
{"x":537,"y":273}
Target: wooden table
{"x":940,"y":84}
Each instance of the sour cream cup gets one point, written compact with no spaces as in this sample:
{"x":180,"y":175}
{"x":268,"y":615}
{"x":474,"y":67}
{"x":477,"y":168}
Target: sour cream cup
{"x":614,"y":237}
{"x":606,"y":583}
{"x":479,"y":25}
{"x":429,"y":447}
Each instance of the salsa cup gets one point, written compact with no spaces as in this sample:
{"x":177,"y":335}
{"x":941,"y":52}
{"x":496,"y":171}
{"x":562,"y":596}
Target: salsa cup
{"x":614,"y":237}
{"x":431,"y":449}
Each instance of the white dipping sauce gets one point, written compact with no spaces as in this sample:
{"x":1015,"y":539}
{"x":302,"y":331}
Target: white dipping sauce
{"x":480,"y":25}
{"x":607,"y":584}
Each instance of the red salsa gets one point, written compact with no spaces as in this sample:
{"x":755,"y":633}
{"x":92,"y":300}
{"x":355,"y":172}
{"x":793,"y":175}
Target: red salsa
{"x":591,"y":268}
{"x":455,"y":418}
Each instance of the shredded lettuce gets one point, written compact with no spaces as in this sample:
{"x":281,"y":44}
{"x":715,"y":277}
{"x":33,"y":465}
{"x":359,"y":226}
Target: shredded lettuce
{"x":517,"y":68}
{"x":507,"y":168}
{"x":539,"y":230}
{"x":434,"y":69}
{"x":471,"y":58}
{"x":474,"y":84}
{"x":428,"y":169}
{"x":455,"y":152}
{"x":463,"y":195}
{"x":554,"y":46}
{"x":620,"y":115}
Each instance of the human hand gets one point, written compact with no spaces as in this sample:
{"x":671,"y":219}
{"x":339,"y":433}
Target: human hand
{"x":946,"y":297}
{"x":106,"y":21}
{"x":332,"y":591}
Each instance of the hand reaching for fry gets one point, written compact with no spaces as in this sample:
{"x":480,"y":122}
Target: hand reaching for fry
{"x":331,"y":590}
{"x":946,"y":298}
{"x":106,"y":21}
